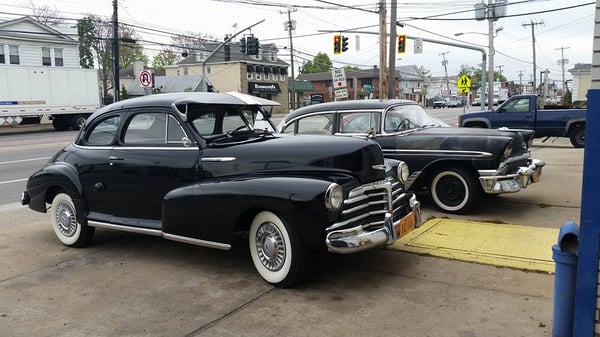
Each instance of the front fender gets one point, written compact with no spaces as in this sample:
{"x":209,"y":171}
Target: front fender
{"x":215,"y":210}
{"x":478,"y":120}
{"x":45,"y":183}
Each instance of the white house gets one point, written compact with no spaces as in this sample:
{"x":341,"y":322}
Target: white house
{"x":25,"y":42}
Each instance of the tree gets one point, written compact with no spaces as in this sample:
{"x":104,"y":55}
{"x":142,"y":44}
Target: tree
{"x":97,"y":35}
{"x":163,"y":58}
{"x":85,"y":30}
{"x":321,"y":63}
{"x":45,"y":15}
{"x":351,"y":68}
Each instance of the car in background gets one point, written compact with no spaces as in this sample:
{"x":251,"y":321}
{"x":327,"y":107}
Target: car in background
{"x":455,"y":166}
{"x":439,"y":102}
{"x":199,"y":168}
{"x":454,"y":103}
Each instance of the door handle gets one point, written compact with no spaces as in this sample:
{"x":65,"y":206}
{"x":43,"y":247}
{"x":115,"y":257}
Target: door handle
{"x":115,"y":158}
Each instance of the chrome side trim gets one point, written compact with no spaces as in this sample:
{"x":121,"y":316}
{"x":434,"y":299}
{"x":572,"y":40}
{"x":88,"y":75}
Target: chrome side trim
{"x":138,"y":230}
{"x":218,"y":159}
{"x":156,"y":232}
{"x":441,"y":152}
{"x":197,"y":242}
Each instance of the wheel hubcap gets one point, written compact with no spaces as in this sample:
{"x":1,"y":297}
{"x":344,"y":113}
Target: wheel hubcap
{"x":451,"y":191}
{"x":65,"y":219}
{"x":270,"y":246}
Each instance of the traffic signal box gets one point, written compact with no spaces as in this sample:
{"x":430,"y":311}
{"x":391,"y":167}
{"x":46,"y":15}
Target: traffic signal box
{"x":337,"y":44}
{"x":402,"y":44}
{"x":344,"y":43}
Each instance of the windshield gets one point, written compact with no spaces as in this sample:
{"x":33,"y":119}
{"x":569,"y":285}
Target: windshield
{"x":407,"y":117}
{"x":213,"y":121}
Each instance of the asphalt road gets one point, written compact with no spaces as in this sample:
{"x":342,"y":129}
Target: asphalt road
{"x":133,"y":285}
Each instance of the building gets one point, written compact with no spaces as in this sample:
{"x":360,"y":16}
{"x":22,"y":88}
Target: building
{"x":263,"y":75}
{"x":582,"y":81}
{"x":25,"y":42}
{"x":409,"y":83}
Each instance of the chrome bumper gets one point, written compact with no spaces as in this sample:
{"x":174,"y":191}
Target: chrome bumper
{"x":493,"y":183}
{"x":356,"y":239}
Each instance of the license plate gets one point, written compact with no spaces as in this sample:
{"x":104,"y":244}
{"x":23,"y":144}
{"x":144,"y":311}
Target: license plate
{"x":407,"y":225}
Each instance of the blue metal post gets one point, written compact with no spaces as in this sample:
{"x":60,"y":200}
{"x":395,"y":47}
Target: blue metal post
{"x":587,"y":267}
{"x":564,"y":253}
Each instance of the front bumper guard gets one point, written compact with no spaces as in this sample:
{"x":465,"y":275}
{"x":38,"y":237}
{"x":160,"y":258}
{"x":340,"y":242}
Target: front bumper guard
{"x":492,"y":183}
{"x":356,"y":239}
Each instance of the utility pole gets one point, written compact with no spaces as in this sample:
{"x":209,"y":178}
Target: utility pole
{"x":290,"y":26}
{"x":533,"y":24}
{"x":562,"y":63}
{"x":445,"y":64}
{"x":500,"y":69}
{"x":382,"y":50}
{"x":521,"y":81}
{"x":392,"y":53}
{"x":115,"y":52}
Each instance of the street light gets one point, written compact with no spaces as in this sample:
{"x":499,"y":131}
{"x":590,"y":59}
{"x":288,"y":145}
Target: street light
{"x":491,"y":35}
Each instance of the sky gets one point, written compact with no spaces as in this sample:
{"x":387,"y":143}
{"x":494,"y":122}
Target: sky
{"x":561,"y":27}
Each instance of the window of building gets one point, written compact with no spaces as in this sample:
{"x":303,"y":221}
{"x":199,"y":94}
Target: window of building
{"x":58,"y":57}
{"x":13,"y":51}
{"x":46,"y":60}
{"x":2,"y":57}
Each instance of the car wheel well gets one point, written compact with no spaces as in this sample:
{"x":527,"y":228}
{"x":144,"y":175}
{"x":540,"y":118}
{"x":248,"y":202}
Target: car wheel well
{"x":428,"y":172}
{"x":52,"y":192}
{"x":475,"y":125}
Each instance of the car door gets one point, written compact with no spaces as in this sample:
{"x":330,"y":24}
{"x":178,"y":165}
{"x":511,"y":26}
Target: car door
{"x":93,"y":152}
{"x":149,"y":160}
{"x":516,"y":114}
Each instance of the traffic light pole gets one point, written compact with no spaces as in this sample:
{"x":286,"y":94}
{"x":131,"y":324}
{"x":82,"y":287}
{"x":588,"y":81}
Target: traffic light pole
{"x":204,"y":84}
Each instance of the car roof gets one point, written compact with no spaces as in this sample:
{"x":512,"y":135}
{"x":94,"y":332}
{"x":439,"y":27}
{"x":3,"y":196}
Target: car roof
{"x":167,"y":100}
{"x":349,"y":105}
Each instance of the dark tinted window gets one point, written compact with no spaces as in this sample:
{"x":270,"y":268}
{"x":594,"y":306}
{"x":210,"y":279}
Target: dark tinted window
{"x":103,"y":133}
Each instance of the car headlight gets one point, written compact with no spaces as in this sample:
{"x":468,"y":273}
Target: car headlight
{"x":334,"y":197}
{"x":508,"y":150}
{"x":402,"y":172}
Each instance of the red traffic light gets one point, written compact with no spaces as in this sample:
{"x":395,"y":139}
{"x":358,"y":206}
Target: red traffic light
{"x":402,"y":44}
{"x":337,"y":44}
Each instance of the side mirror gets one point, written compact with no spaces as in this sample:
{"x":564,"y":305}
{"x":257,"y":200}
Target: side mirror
{"x":187,"y":142}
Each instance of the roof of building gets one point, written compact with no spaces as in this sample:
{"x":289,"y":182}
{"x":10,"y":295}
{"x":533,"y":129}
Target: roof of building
{"x":408,"y":73}
{"x":55,"y":33}
{"x":168,"y":84}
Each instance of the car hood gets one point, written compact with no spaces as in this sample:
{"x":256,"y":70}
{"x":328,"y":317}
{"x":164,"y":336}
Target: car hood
{"x":298,"y":155}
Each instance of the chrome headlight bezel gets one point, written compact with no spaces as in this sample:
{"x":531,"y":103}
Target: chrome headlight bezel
{"x":508,"y":150}
{"x":334,"y":197}
{"x":402,"y":172}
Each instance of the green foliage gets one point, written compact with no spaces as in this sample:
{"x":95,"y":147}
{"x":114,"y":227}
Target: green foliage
{"x":85,"y":30}
{"x":351,"y":68}
{"x":321,"y":63}
{"x":124,"y":93}
{"x":164,"y":58}
{"x":567,"y":96}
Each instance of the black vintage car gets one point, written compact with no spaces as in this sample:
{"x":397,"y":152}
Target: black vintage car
{"x":201,"y":167}
{"x":454,"y":165}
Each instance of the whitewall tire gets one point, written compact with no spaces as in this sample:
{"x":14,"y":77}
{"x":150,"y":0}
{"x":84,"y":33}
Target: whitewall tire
{"x":63,"y":217}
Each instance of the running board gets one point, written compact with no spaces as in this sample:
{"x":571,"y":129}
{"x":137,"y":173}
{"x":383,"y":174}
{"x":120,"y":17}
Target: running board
{"x":156,"y":232}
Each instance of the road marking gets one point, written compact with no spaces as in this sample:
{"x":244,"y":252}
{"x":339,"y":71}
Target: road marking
{"x":12,"y":181}
{"x":23,"y":160}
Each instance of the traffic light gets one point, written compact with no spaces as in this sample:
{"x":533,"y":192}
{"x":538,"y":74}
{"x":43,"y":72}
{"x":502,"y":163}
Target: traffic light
{"x":402,"y":44}
{"x":344,"y":43}
{"x":243,"y":45}
{"x":252,"y":45}
{"x":337,"y":44}
{"x":227,"y":50}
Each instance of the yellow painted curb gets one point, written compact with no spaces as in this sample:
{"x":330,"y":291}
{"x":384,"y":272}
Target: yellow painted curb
{"x":514,"y":246}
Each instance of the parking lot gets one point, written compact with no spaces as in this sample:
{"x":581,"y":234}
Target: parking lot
{"x":133,"y":285}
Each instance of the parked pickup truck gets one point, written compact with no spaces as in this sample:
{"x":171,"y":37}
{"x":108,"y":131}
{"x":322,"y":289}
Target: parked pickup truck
{"x":521,"y":112}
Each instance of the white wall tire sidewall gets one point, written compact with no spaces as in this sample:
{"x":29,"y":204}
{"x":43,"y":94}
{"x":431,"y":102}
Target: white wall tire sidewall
{"x":66,"y":240}
{"x":436,"y":199}
{"x":278,"y":276}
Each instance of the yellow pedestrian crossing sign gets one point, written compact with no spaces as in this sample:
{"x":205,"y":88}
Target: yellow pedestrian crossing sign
{"x":464,"y":82}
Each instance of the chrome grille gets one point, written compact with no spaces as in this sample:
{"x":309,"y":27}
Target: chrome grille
{"x":366,"y":206}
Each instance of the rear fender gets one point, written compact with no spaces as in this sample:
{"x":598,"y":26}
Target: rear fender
{"x":214,"y":210}
{"x":573,"y":123}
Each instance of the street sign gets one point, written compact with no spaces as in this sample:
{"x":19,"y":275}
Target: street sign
{"x":418,"y":46}
{"x":464,"y":90}
{"x":146,"y":79}
{"x":339,"y":78}
{"x":341,"y":93}
{"x":463,"y":82}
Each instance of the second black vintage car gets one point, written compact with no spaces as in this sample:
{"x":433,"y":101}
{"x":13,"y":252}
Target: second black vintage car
{"x":454,"y":165}
{"x":200,"y":167}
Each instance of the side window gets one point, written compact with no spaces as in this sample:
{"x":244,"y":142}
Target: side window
{"x":520,"y":105}
{"x":359,"y":122}
{"x":205,"y":124}
{"x":174,"y":131}
{"x":315,"y":125}
{"x":146,"y":128}
{"x":103,"y":134}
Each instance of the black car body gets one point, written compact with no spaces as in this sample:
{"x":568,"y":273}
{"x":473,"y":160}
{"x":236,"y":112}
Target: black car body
{"x":200,"y":167}
{"x":454,"y":165}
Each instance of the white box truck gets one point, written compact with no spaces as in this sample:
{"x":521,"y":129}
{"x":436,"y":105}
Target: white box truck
{"x":66,"y":95}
